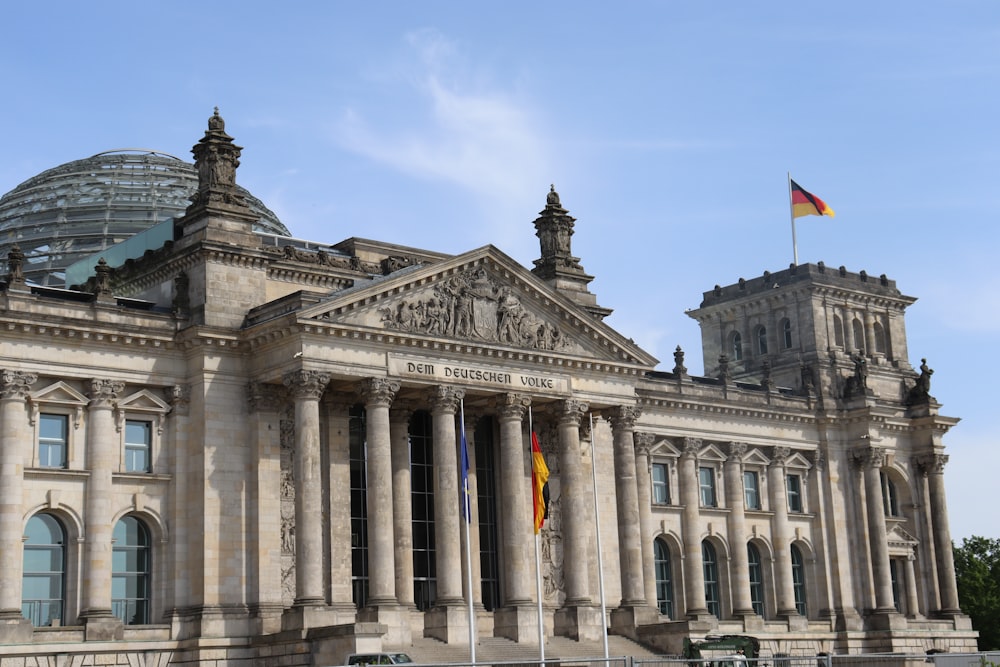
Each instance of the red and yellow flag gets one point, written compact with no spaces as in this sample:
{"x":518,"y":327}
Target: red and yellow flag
{"x":539,"y":481}
{"x":806,"y":203}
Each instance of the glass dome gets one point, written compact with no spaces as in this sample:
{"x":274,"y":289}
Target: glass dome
{"x":80,"y":208}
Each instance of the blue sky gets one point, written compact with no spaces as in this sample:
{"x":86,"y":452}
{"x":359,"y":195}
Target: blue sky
{"x":667,"y":127}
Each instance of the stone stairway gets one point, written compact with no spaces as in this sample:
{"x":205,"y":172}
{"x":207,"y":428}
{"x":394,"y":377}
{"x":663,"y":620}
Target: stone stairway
{"x":491,"y":650}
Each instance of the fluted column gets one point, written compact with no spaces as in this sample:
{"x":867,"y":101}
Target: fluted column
{"x":306,"y":388}
{"x":517,"y":526}
{"x":630,"y":546}
{"x":871,"y":460}
{"x":471,"y":419}
{"x":781,"y":532}
{"x":378,"y":394}
{"x":102,"y":449}
{"x":736,"y":502}
{"x":577,"y":504}
{"x":447,"y":502}
{"x":644,"y":484}
{"x":934,"y":464}
{"x":694,"y":579}
{"x":15,"y":441}
{"x":402,"y":502}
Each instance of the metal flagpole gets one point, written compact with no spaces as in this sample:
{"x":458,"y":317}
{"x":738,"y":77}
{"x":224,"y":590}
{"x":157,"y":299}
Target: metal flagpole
{"x":597,"y":523}
{"x":467,"y":511}
{"x":538,"y":550}
{"x":791,"y":212}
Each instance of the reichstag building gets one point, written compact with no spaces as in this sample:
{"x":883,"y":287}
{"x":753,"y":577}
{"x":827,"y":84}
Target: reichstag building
{"x":224,"y":445}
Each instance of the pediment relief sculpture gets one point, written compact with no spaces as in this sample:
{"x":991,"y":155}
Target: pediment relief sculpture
{"x":473,"y":305}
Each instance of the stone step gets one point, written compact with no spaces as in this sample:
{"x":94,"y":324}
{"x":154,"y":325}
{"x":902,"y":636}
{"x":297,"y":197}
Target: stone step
{"x":426,"y":651}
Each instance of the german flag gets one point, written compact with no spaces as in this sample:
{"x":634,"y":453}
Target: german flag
{"x":539,"y":483}
{"x":806,"y":203}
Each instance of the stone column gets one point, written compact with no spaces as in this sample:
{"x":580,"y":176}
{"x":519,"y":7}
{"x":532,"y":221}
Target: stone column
{"x":378,"y":394}
{"x":739,"y":562}
{"x":644,"y":484}
{"x":934,"y":464}
{"x":781,"y":532}
{"x":694,"y":575}
{"x":471,"y":419}
{"x":575,"y":495}
{"x":630,"y":545}
{"x":179,"y":397}
{"x":103,"y":441}
{"x":518,"y":619}
{"x":15,"y":440}
{"x":871,"y":460}
{"x":402,"y":503}
{"x":912,"y":597}
{"x":447,"y":501}
{"x":265,"y":523}
{"x":337,"y":410}
{"x":306,"y":387}
{"x":869,"y":322}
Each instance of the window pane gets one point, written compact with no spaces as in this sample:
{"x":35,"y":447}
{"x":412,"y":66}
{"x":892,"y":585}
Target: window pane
{"x":706,"y":479}
{"x":751,"y":491}
{"x":660,"y":490}
{"x":794,"y":493}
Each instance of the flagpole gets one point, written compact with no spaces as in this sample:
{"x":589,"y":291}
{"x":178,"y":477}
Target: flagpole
{"x":597,"y":523}
{"x":538,"y":554}
{"x":791,"y":212}
{"x":467,"y":510}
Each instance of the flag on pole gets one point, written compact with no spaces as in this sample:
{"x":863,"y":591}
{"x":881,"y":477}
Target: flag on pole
{"x":806,"y":203}
{"x":466,"y":496}
{"x":539,"y":483}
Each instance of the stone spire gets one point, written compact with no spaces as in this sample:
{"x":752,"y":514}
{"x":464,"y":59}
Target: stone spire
{"x":557,"y":266}
{"x":216,"y":158}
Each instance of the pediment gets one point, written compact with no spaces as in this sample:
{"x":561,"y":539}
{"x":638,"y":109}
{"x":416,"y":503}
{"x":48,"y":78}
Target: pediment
{"x":59,"y":393}
{"x":711,"y":452}
{"x":482,"y":297}
{"x":664,"y":448}
{"x":900,"y":539}
{"x":144,"y":401}
{"x":796,"y":460}
{"x":755,"y":457}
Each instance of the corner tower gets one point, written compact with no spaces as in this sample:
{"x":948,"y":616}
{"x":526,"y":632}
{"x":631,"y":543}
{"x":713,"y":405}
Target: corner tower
{"x":810,"y":328}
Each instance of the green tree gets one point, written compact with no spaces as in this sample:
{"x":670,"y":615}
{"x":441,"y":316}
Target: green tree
{"x":977,"y":569}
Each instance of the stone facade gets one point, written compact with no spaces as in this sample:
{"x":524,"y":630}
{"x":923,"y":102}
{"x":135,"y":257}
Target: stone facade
{"x":225,"y":452}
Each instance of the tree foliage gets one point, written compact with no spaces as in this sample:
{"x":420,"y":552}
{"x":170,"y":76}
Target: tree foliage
{"x":977,"y":568}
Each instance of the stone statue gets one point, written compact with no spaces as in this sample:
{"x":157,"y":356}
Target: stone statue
{"x":921,"y":392}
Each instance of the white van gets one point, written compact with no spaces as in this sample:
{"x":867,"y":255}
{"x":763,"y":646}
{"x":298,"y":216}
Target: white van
{"x":378,"y":659}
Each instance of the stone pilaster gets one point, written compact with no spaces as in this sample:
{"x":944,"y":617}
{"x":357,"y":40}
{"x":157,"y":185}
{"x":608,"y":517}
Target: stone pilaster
{"x":102,"y":451}
{"x":179,"y":397}
{"x":306,"y":387}
{"x":14,"y":455}
{"x":644,"y":484}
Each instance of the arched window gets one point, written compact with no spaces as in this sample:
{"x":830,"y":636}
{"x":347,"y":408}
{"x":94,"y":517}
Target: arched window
{"x":710,"y":567}
{"x":799,"y":580}
{"x":43,"y":579}
{"x":130,"y":572}
{"x":664,"y":583}
{"x":838,"y":331}
{"x":736,"y":346}
{"x":760,"y":337}
{"x":756,"y":579}
{"x":880,"y":345}
{"x":786,"y":334}
{"x":859,"y":335}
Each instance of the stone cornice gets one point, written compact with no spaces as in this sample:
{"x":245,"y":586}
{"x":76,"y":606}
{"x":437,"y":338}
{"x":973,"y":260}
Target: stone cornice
{"x":652,"y":405}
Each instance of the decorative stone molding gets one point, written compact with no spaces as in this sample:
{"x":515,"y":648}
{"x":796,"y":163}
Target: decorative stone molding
{"x":932,"y":463}
{"x":623,"y":417}
{"x":445,"y":399}
{"x":15,"y":385}
{"x":512,"y":406}
{"x":737,"y":450}
{"x":780,"y":456}
{"x":643,"y":442}
{"x":572,"y":411}
{"x":869,"y":457}
{"x":179,"y":398}
{"x":103,"y":393}
{"x":264,"y":397}
{"x":378,"y":392}
{"x":691,"y":447}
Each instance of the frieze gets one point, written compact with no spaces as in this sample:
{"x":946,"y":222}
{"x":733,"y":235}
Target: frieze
{"x":498,"y":376}
{"x":475,"y":306}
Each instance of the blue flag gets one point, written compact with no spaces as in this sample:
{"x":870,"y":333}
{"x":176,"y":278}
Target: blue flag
{"x":466,"y":496}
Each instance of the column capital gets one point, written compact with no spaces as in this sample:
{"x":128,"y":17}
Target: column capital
{"x":691,"y":447}
{"x":737,"y":450}
{"x":869,"y":457}
{"x":306,"y":384}
{"x":263,"y":397}
{"x":179,"y":398}
{"x":15,"y":385}
{"x":571,"y":411}
{"x":103,"y":392}
{"x":378,"y":391}
{"x":820,"y":460}
{"x":780,"y":456}
{"x":512,"y":406}
{"x":932,"y":464}
{"x":643,"y":442}
{"x":622,"y":417}
{"x":444,"y":398}
{"x":401,"y":411}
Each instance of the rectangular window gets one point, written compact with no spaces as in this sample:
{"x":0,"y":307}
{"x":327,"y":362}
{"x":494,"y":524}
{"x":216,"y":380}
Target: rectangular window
{"x":794,"y":493}
{"x":751,"y":490}
{"x":661,"y":491}
{"x":52,"y":434}
{"x":706,"y":481}
{"x":138,"y":442}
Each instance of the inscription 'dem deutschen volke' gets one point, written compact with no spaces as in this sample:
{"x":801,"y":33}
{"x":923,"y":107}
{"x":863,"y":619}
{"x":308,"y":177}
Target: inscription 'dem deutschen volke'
{"x":498,"y":376}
